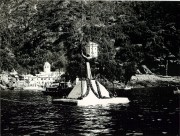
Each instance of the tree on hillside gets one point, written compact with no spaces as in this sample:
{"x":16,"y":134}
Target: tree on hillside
{"x":33,"y":32}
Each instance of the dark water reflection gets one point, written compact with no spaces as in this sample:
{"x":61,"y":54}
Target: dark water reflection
{"x":148,"y":113}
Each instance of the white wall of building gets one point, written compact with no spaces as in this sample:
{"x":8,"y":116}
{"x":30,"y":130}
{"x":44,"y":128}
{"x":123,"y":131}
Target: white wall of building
{"x":92,"y":49}
{"x":45,"y":78}
{"x":47,"y":67}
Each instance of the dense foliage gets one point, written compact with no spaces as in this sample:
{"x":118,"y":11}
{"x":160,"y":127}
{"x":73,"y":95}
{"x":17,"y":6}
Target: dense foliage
{"x":129,"y":33}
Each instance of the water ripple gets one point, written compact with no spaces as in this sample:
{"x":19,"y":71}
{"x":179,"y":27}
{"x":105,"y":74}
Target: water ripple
{"x":25,"y":113}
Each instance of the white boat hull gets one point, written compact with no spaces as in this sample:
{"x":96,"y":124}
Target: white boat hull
{"x":88,"y":102}
{"x":90,"y":99}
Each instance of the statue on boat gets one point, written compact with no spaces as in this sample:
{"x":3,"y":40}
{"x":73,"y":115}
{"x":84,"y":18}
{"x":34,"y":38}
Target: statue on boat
{"x":90,"y":91}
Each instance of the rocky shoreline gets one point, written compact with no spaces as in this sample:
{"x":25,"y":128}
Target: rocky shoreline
{"x":139,"y":81}
{"x":148,"y":81}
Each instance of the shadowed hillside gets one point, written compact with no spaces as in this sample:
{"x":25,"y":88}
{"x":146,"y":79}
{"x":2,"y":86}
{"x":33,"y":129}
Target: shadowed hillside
{"x":129,"y":33}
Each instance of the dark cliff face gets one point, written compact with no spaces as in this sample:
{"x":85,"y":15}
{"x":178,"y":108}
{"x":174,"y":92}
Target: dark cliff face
{"x":57,"y":31}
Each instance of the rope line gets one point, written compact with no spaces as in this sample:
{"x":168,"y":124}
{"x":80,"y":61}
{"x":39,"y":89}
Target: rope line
{"x":87,"y":91}
{"x":90,"y":86}
{"x":98,"y":89}
{"x":97,"y":95}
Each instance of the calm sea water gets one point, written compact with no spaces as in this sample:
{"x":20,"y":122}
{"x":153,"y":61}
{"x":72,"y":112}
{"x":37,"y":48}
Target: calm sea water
{"x":150,"y":112}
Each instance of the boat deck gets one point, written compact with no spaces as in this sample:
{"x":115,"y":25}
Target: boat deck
{"x":87,"y":102}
